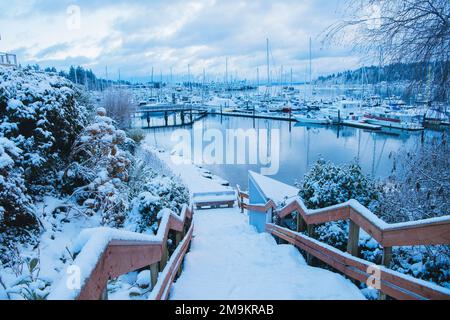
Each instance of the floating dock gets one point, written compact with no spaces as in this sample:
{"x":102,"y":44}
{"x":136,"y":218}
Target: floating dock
{"x":362,"y":125}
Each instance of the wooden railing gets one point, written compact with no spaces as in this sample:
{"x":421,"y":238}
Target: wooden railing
{"x":399,"y":286}
{"x":122,"y":255}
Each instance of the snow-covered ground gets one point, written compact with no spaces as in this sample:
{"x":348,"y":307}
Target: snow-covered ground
{"x":197,"y":179}
{"x":229,"y":260}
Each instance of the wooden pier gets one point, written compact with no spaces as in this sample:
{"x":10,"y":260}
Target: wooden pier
{"x":186,"y":115}
{"x":288,"y":117}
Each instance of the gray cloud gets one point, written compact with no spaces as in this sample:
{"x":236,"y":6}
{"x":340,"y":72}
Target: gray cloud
{"x":135,"y":35}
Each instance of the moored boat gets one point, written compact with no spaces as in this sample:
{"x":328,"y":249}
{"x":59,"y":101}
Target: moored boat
{"x":392,"y":120}
{"x":312,"y":119}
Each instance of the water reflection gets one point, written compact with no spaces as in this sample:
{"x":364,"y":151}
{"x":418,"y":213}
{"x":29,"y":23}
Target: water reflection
{"x":302,"y":145}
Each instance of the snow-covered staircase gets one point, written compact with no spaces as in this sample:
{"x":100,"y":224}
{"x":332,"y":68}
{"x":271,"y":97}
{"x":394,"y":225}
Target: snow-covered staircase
{"x":232,"y":253}
{"x":229,"y":259}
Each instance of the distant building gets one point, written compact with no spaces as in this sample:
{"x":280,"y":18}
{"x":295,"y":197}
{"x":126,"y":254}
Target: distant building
{"x":8,"y":59}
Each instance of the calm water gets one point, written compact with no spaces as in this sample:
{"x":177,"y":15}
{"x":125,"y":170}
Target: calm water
{"x":301,"y":146}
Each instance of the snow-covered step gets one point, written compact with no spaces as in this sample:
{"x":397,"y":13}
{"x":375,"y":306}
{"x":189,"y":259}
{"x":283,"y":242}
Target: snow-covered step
{"x":229,"y":260}
{"x":214,"y":199}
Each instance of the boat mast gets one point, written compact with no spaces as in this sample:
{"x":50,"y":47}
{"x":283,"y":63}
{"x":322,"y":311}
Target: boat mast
{"x":292,"y":83}
{"x":268,"y":64}
{"x":160,"y":85}
{"x":189,"y":77}
{"x":151,"y":88}
{"x":203,"y":86}
{"x":310,"y":65}
{"x":226,"y":72}
{"x":257,"y":77}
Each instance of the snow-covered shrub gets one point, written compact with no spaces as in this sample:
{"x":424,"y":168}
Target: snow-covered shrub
{"x":28,"y":284}
{"x":40,"y":114}
{"x":101,"y":168}
{"x":327,"y":184}
{"x":137,"y":135}
{"x":171,"y":191}
{"x":16,"y":210}
{"x":427,"y":263}
{"x":419,"y":188}
{"x":145,"y":211}
{"x":151,"y":192}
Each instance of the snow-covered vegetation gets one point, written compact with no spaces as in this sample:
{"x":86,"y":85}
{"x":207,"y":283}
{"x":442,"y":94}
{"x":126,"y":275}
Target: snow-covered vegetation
{"x":327,"y":184}
{"x":417,"y":190}
{"x":64,"y":167}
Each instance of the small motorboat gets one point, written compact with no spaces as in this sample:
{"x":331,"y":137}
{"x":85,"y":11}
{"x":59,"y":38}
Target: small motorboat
{"x":312,"y":119}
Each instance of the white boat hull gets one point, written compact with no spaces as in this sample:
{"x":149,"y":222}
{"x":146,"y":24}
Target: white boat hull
{"x":394,"y":125}
{"x":312,"y":120}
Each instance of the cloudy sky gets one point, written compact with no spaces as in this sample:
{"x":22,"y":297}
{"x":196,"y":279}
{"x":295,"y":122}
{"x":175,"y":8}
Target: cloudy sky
{"x":135,"y":35}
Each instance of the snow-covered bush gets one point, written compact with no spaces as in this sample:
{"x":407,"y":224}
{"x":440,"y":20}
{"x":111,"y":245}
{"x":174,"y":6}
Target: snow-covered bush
{"x":119,"y":106}
{"x":40,"y":114}
{"x":427,"y":263}
{"x":151,"y":192}
{"x":419,"y":188}
{"x":29,"y":285}
{"x":145,"y":212}
{"x":327,"y":184}
{"x":137,"y":135}
{"x":16,"y":210}
{"x":98,"y":173}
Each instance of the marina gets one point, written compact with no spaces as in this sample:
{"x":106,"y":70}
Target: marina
{"x":302,"y":144}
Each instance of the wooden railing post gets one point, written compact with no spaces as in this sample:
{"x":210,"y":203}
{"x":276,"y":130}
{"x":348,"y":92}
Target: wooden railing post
{"x":386,"y":261}
{"x":242,"y":202}
{"x":353,"y":239}
{"x":311,"y":232}
{"x":154,"y":273}
{"x":164,"y":257}
{"x":178,"y":237}
{"x":387,"y":256}
{"x":301,"y":224}
{"x":104,"y":295}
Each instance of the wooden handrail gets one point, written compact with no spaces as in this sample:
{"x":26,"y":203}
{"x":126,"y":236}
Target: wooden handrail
{"x":433,"y":231}
{"x":162,"y":289}
{"x":423,"y":232}
{"x":121,"y":256}
{"x":392,"y":283}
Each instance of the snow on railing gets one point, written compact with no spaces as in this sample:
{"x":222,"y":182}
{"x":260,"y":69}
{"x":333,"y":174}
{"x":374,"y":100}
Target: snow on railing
{"x":106,"y":253}
{"x":392,"y":283}
{"x":434,"y":231}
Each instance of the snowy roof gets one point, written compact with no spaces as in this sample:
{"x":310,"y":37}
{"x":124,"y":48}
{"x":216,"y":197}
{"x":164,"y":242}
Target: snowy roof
{"x":273,"y":189}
